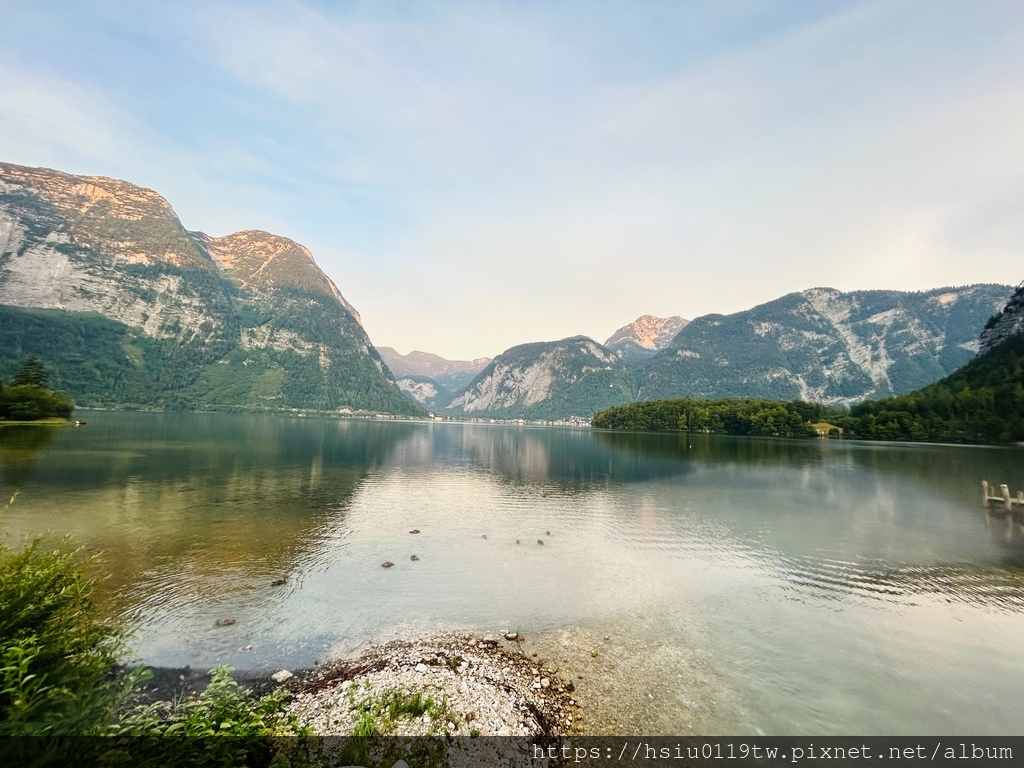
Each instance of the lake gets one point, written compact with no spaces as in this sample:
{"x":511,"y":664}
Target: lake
{"x":698,"y":583}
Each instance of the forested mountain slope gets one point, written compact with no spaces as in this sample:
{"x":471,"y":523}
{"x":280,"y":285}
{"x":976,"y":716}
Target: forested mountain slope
{"x":126,"y":307}
{"x":822,"y":345}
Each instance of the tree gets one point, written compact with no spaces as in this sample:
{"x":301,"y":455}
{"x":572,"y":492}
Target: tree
{"x":32,"y":372}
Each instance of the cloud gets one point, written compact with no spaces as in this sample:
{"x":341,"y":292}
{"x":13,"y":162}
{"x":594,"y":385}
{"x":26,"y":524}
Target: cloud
{"x":58,"y":122}
{"x":479,"y":175}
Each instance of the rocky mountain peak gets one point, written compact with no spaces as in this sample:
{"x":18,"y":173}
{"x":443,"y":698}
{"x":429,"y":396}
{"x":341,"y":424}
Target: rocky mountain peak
{"x":176,"y":318}
{"x":648,"y":331}
{"x":255,"y":260}
{"x":575,"y":376}
{"x":129,"y":223}
{"x":1007,"y":323}
{"x":418,"y":363}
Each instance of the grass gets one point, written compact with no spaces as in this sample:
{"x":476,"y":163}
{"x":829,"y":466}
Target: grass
{"x":52,"y":421}
{"x":372,"y":739}
{"x":384,"y":713}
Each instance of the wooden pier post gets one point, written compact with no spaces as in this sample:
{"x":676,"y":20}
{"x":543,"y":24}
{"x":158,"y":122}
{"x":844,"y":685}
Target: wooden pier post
{"x":984,"y":493}
{"x":1004,"y":490}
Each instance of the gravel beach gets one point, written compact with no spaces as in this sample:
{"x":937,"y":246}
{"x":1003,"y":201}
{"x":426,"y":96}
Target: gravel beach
{"x":453,"y":684}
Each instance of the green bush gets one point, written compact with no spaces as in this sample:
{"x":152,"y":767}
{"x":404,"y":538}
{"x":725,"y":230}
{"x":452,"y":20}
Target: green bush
{"x":28,"y":402}
{"x":57,"y":660}
{"x":60,"y":678}
{"x":225,"y":725}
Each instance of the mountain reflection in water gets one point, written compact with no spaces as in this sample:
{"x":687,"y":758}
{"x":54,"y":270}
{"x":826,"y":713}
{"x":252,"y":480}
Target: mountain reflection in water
{"x":793,"y":579}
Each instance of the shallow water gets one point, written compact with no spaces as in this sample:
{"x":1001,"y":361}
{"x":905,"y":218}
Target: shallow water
{"x":746,"y":585}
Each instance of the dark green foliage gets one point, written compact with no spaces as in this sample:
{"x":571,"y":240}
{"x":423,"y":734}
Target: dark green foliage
{"x":99,"y":361}
{"x":31,"y":372}
{"x":59,"y":678}
{"x":730,"y":416}
{"x":103,"y":363}
{"x":30,"y":403}
{"x":57,"y":659}
{"x":983,"y":402}
{"x":28,"y":399}
{"x":225,"y":725}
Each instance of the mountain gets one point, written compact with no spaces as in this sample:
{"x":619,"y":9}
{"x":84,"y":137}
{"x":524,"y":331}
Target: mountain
{"x":1005,"y":324}
{"x":637,"y":343}
{"x":127,"y":308}
{"x":648,"y":332}
{"x":430,"y":379}
{"x":983,"y":402}
{"x":825,"y":346}
{"x":548,"y":380}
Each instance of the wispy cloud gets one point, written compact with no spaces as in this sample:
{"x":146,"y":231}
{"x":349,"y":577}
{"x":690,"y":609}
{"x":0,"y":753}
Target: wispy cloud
{"x":476,"y":175}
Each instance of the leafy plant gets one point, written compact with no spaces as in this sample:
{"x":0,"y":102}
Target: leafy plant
{"x":225,"y":725}
{"x":57,"y":660}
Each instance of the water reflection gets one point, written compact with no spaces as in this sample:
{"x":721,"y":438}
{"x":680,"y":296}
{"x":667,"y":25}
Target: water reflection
{"x":788,"y":565}
{"x":190,"y":508}
{"x":20,"y":445}
{"x":567,"y":458}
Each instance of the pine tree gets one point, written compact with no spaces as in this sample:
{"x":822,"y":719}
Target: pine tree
{"x":32,"y":371}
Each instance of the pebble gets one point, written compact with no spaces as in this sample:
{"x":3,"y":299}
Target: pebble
{"x":540,"y":541}
{"x":246,"y":647}
{"x":281,"y":676}
{"x":511,"y":635}
{"x":490,"y":691}
{"x":547,"y":533}
{"x":386,"y":564}
{"x":484,"y":536}
{"x":225,"y":622}
{"x":414,"y":558}
{"x":278,"y":582}
{"x":415,"y":530}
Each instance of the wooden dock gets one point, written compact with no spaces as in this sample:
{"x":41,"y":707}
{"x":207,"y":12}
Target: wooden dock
{"x":1003,"y":499}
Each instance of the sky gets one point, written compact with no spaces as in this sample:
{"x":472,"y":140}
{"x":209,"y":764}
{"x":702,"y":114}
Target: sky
{"x":475,"y":175}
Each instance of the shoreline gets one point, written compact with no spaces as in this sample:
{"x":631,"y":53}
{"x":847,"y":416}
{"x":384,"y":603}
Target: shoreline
{"x":466,"y":684}
{"x":52,"y":421}
{"x":613,"y":684}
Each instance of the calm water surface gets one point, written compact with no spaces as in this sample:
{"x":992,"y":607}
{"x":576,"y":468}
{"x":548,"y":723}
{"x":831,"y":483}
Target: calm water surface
{"x":780,"y":586}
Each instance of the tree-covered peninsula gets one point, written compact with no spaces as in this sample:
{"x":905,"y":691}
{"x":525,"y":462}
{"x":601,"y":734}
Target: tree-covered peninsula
{"x":733,"y":416}
{"x":27,"y":397}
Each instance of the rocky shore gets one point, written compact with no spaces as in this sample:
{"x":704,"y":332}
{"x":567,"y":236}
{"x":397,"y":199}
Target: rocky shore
{"x":568,"y":682}
{"x":454,"y":684}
